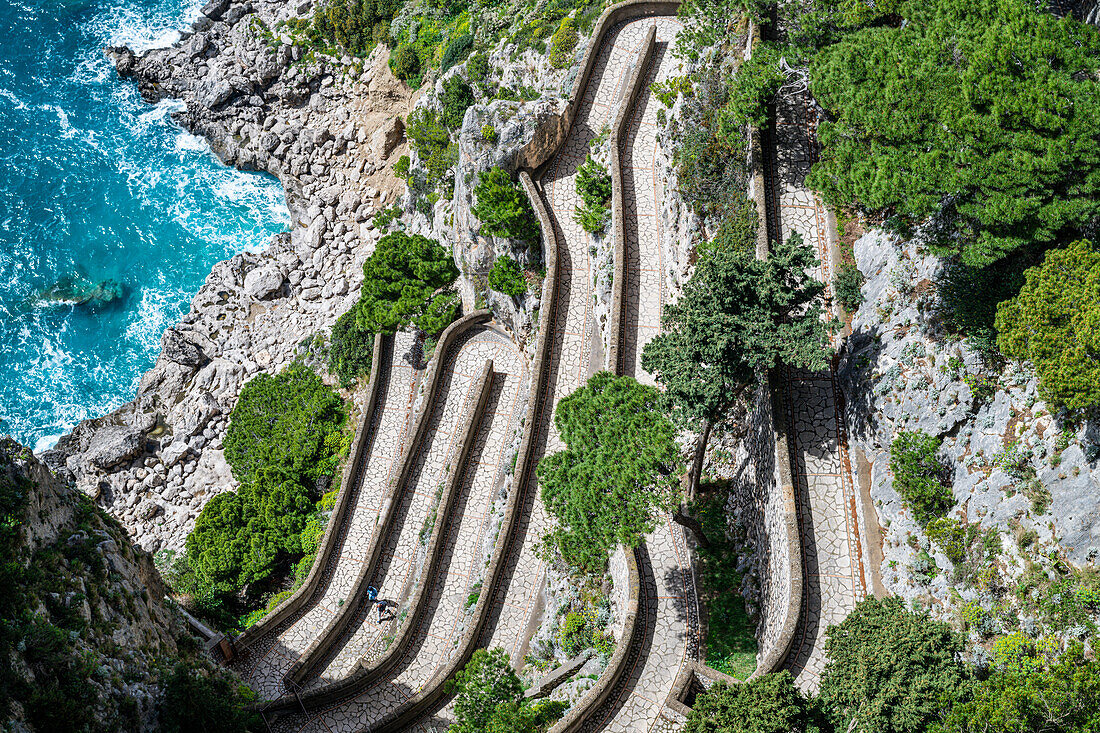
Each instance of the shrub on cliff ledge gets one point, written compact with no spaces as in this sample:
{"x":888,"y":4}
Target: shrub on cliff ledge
{"x":919,"y":475}
{"x":350,"y":350}
{"x":620,"y":465}
{"x":594,"y":187}
{"x":407,"y":280}
{"x":563,"y":42}
{"x":1055,"y":323}
{"x":489,"y":698}
{"x":503,"y":208}
{"x":506,"y":277}
{"x":457,"y":98}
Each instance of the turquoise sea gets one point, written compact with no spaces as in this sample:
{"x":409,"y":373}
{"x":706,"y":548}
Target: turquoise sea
{"x":95,"y":182}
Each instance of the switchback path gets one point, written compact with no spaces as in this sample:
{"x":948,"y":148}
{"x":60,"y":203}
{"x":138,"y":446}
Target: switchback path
{"x":829,"y":522}
{"x":265,"y":663}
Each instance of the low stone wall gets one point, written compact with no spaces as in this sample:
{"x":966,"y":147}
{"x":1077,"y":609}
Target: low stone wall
{"x":335,"y":529}
{"x":322,"y":644}
{"x":618,"y":214}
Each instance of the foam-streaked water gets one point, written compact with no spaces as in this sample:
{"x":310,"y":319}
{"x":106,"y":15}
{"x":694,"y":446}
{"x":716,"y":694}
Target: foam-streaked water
{"x":93,"y":180}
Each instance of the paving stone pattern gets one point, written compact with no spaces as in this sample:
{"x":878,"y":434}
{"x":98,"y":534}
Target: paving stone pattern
{"x":268,"y":660}
{"x":467,"y":531}
{"x":824,"y":487}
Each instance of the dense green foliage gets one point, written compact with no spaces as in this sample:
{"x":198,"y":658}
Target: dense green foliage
{"x":753,"y":87}
{"x":350,"y":350}
{"x":503,"y":208}
{"x":768,"y":704}
{"x":406,"y":63}
{"x":456,"y":51}
{"x":489,"y":698}
{"x":407,"y":280}
{"x":890,"y":670}
{"x":593,"y":185}
{"x":984,"y":114}
{"x":738,"y":317}
{"x":1055,"y":323}
{"x":621,"y":463}
{"x":457,"y":98}
{"x":846,"y":285}
{"x":919,"y":475}
{"x":428,"y":135}
{"x":284,"y":442}
{"x":1064,"y":698}
{"x":563,"y":42}
{"x":208,"y":703}
{"x":353,"y":24}
{"x":506,"y":277}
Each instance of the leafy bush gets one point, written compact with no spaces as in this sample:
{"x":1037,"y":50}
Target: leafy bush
{"x":768,"y":704}
{"x":1055,"y":323}
{"x":432,"y":141}
{"x":477,"y":67}
{"x":407,"y":280}
{"x":963,"y":140}
{"x":563,"y":42}
{"x":503,"y":208}
{"x":350,"y":350}
{"x":197,"y":701}
{"x":890,"y":670}
{"x":506,"y":277}
{"x":593,"y":185}
{"x":919,"y":475}
{"x":488,"y":133}
{"x":847,"y":284}
{"x":592,"y":218}
{"x":754,"y":86}
{"x":352,"y":23}
{"x":620,"y":465}
{"x":456,"y":51}
{"x":457,"y":98}
{"x":406,"y":63}
{"x":1063,"y":698}
{"x":489,"y":698}
{"x":401,"y":166}
{"x":285,"y":438}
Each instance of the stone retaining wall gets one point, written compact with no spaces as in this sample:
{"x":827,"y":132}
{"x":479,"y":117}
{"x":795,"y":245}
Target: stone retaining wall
{"x":618,"y":215}
{"x":336,"y":521}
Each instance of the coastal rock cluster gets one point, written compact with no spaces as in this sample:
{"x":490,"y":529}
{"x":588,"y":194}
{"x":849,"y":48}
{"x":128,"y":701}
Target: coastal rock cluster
{"x":329,"y":132}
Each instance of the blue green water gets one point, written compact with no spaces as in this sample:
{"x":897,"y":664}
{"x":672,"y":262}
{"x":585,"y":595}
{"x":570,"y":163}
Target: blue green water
{"x":94,"y":180}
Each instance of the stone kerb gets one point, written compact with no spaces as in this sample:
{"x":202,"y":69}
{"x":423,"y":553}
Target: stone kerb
{"x":336,"y":521}
{"x":322,"y":644}
{"x":618,"y":214}
{"x":539,"y":152}
{"x":367,"y":672}
{"x":432,"y":692}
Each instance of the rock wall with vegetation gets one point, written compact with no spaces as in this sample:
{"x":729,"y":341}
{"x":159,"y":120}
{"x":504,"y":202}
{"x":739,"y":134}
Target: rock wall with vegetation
{"x":87,"y":640}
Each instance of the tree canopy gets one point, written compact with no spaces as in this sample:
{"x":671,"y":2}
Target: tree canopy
{"x":1055,"y":323}
{"x":890,"y":670}
{"x":768,"y":704}
{"x":503,"y":208}
{"x":489,"y":698}
{"x":407,"y":279}
{"x":738,"y":317}
{"x":984,"y":114}
{"x":621,"y":462}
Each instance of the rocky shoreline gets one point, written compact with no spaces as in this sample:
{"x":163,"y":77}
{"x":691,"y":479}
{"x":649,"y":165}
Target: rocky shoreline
{"x":330,"y":135}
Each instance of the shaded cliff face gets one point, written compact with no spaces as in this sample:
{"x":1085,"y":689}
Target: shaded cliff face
{"x":85,"y":633}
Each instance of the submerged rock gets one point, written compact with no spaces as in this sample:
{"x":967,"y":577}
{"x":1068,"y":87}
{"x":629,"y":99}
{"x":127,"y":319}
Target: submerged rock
{"x":76,"y":289}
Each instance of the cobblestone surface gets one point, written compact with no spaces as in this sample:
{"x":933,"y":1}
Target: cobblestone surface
{"x":466,"y":534}
{"x":267,"y":661}
{"x":824,"y":487}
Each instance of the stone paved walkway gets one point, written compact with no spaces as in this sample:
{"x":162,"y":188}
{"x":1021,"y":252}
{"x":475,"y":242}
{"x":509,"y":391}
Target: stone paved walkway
{"x":823,"y":477}
{"x":266,"y":662}
{"x":467,"y":533}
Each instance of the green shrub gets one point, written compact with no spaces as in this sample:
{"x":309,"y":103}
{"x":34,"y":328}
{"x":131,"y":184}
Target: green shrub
{"x":350,"y":350}
{"x":593,"y":182}
{"x":488,"y":133}
{"x":406,"y":63}
{"x":503,"y":208}
{"x":407,"y":280}
{"x":506,"y":277}
{"x":431,"y":139}
{"x":768,"y":704}
{"x":563,"y":42}
{"x":198,"y":701}
{"x":477,"y":67}
{"x":890,"y":670}
{"x":456,"y":51}
{"x":352,"y":24}
{"x":919,"y":475}
{"x":489,"y":697}
{"x":619,"y":467}
{"x":592,"y":219}
{"x":847,"y":284}
{"x":457,"y":98}
{"x":401,"y":166}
